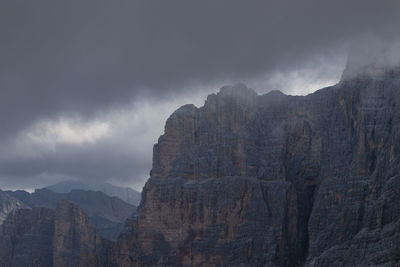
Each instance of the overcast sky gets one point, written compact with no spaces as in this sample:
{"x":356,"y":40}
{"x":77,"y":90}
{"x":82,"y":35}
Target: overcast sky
{"x":86,"y":86}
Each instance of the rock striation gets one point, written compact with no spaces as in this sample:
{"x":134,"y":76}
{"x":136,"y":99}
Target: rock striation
{"x":26,"y":238}
{"x":275,"y":180}
{"x":250,"y":180}
{"x":8,"y":204}
{"x":108,"y":214}
{"x":76,"y":241}
{"x":44,"y":237}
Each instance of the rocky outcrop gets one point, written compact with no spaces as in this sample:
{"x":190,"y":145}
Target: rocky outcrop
{"x":108,"y":214}
{"x":76,"y":241}
{"x":26,"y":238}
{"x":8,"y":204}
{"x":43,"y":237}
{"x":275,"y":180}
{"x":225,"y":221}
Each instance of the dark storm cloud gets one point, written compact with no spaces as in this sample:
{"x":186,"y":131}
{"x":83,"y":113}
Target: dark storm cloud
{"x":78,"y":55}
{"x":76,"y":58}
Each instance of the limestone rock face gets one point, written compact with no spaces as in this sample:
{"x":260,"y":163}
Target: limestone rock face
{"x":44,"y":237}
{"x":108,"y":214}
{"x":228,"y":221}
{"x":26,"y":238}
{"x":8,"y":204}
{"x":275,"y":180}
{"x":207,"y":142}
{"x":76,"y":242}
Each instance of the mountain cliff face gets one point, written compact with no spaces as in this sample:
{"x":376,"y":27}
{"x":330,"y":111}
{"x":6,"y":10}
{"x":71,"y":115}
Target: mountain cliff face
{"x":250,"y":180}
{"x":76,"y":241}
{"x":43,"y":237}
{"x":8,"y":204}
{"x":275,"y":180}
{"x":108,"y":214}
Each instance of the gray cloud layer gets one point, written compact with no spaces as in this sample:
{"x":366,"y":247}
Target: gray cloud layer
{"x":87,"y":59}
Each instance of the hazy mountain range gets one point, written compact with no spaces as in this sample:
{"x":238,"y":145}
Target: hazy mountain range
{"x":125,"y":193}
{"x":102,"y":203}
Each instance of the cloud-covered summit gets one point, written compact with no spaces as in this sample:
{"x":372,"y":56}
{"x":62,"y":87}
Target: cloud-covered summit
{"x":85,"y":86}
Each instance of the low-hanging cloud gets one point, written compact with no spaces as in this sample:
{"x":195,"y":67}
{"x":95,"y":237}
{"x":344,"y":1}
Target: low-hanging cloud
{"x":75,"y":74}
{"x":114,"y":147}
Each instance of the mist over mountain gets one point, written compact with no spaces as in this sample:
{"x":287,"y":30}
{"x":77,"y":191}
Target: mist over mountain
{"x":372,"y":56}
{"x":293,"y":162}
{"x":80,"y":79}
{"x":254,"y":180}
{"x":126,"y":194}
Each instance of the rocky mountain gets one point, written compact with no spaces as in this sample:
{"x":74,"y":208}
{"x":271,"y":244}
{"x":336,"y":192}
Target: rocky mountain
{"x":250,"y":180}
{"x":45,"y":237}
{"x":125,"y":193}
{"x":275,"y":180}
{"x":108,"y":214}
{"x":8,"y":204}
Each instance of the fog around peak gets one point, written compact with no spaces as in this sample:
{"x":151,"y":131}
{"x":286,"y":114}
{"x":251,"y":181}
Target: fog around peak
{"x":372,"y":54}
{"x":86,"y":86}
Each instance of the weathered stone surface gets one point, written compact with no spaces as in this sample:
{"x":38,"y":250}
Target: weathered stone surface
{"x":76,"y":242}
{"x":26,"y":238}
{"x":250,"y":180}
{"x":44,"y":237}
{"x":108,"y":214}
{"x":275,"y":180}
{"x":230,"y":220}
{"x":8,"y":204}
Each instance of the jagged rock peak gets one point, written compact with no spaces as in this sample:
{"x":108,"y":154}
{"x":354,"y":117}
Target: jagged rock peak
{"x":188,"y":108}
{"x":8,"y":204}
{"x":274,"y":95}
{"x":237,"y":90}
{"x":237,"y":94}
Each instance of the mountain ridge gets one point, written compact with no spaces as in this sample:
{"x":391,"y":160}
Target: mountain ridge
{"x":127,"y":194}
{"x":269,"y":180}
{"x":108,"y":214}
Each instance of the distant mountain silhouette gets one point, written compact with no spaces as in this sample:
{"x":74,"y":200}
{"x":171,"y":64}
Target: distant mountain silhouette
{"x":125,"y":193}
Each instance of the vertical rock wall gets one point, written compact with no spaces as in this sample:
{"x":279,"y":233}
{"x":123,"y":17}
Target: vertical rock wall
{"x":275,"y":180}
